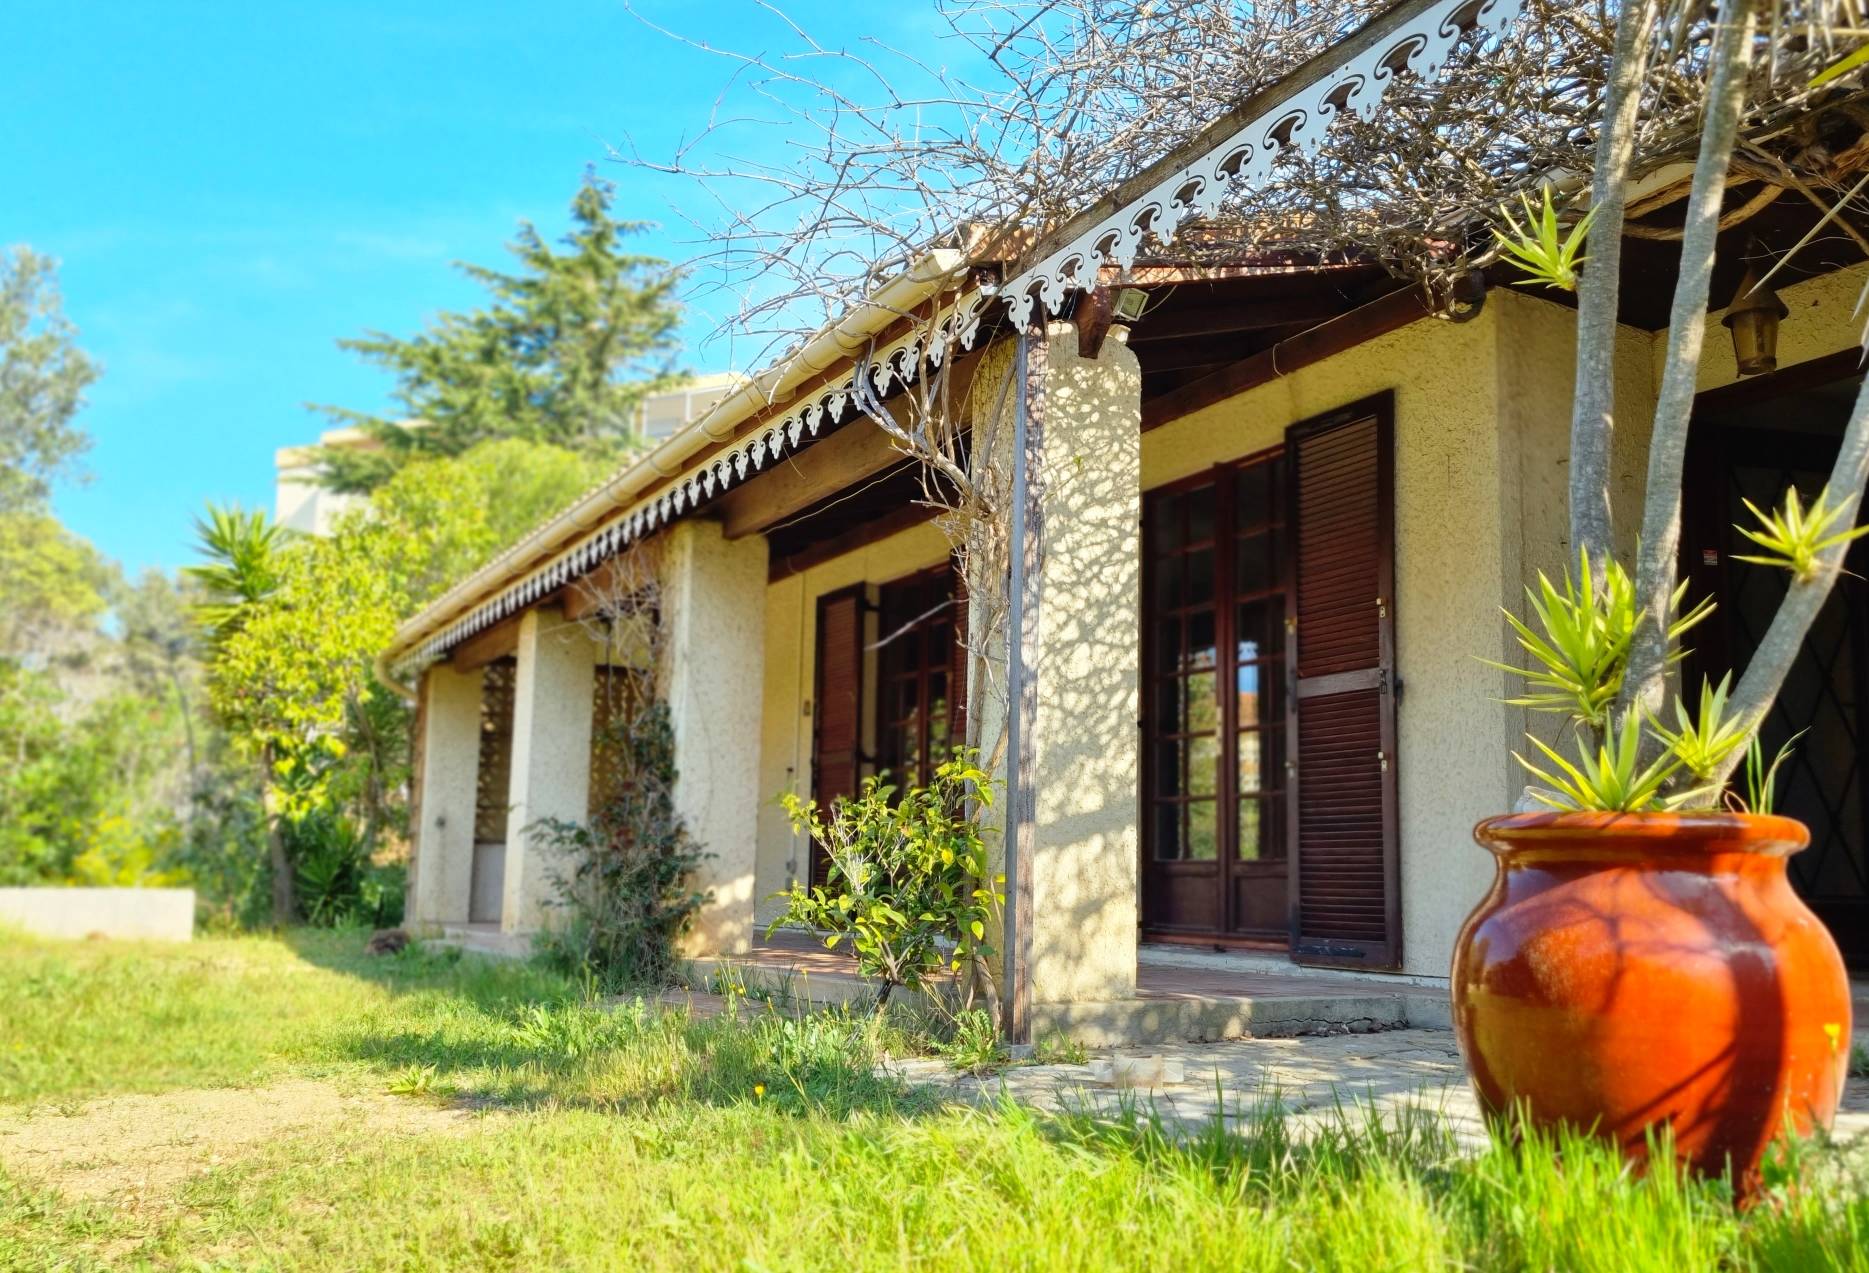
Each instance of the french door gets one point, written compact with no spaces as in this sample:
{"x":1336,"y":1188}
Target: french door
{"x":1214,"y":842}
{"x":1269,"y":698}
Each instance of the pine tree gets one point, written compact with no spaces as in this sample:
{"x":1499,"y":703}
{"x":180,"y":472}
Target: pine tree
{"x":564,"y":352}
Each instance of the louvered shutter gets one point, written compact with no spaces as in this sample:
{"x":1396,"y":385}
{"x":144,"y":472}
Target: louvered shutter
{"x":1345,"y":893}
{"x":837,"y":734}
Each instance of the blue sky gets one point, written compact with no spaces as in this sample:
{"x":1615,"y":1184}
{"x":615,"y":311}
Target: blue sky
{"x":232,"y":187}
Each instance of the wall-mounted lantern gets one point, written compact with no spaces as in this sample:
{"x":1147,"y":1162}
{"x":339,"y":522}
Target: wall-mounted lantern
{"x":1753,"y":320}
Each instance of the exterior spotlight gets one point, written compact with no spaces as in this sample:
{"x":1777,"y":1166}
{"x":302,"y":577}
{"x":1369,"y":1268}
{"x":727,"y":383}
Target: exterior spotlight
{"x":1128,"y":305}
{"x":1753,"y":320}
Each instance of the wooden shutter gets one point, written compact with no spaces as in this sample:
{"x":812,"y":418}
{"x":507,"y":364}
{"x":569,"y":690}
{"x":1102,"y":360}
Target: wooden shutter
{"x":958,"y":660}
{"x":1346,"y":900}
{"x":837,"y":727}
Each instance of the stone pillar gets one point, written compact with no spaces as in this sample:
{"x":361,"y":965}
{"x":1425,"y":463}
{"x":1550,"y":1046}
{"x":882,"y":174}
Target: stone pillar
{"x":1086,"y":658}
{"x":556,"y":681}
{"x":444,"y":839}
{"x":714,"y":612}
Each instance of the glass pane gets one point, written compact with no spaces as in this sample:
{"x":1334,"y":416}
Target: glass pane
{"x":1166,"y":640}
{"x":1252,"y":764}
{"x":937,"y":692}
{"x":1165,"y":706}
{"x":1203,"y":840}
{"x":1259,"y":629}
{"x":1200,"y":515}
{"x":1256,"y":693}
{"x":1168,"y":776}
{"x":1164,"y":524}
{"x":1166,"y":575}
{"x":1252,"y":494}
{"x":1203,"y":766}
{"x":1167,"y":837}
{"x":906,"y":697}
{"x":1202,"y":713}
{"x":1255,"y":563}
{"x":1201,"y":651}
{"x":1200,"y":568}
{"x":1254,"y":832}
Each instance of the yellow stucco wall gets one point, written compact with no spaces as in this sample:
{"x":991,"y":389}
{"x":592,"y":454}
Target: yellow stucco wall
{"x":1449,"y":581}
{"x":785,"y":718}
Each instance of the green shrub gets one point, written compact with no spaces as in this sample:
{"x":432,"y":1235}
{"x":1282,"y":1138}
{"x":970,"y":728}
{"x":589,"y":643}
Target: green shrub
{"x":338,"y":883}
{"x":626,"y":898}
{"x":909,"y":884}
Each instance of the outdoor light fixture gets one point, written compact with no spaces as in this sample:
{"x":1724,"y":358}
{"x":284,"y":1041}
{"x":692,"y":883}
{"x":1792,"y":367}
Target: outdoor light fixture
{"x":1127,"y":306}
{"x":1753,"y":320}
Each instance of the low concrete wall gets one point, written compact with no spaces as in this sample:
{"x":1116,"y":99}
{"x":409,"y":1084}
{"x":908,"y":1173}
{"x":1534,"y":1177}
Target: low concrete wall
{"x":164,"y":914}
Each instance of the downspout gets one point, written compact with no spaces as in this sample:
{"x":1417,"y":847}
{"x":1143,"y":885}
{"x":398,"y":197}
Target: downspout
{"x":1021,"y":703}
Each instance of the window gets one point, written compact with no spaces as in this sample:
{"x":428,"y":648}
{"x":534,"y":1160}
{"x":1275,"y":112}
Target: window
{"x":914,"y":671}
{"x":1214,"y":700}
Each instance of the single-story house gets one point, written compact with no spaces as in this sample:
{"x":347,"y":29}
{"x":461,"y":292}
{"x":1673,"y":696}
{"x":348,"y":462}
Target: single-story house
{"x":1282,"y":508}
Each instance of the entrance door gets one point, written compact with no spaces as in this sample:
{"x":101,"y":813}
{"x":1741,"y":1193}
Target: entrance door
{"x":492,"y":794}
{"x":837,"y":726}
{"x":915,"y":675}
{"x":1748,"y":446}
{"x":1213,"y":841}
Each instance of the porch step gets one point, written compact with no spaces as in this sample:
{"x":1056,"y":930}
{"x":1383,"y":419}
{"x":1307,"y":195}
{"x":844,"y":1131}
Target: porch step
{"x":1207,"y":1018}
{"x":1278,"y":1008}
{"x":484,"y":939}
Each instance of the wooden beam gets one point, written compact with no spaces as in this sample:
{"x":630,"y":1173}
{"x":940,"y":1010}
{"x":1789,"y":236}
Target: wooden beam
{"x":846,"y":458}
{"x":1378,"y":318}
{"x":904,"y":518}
{"x":1215,"y":319}
{"x":483,"y":648}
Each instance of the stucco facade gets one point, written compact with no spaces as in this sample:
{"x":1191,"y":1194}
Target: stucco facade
{"x":1480,"y":470}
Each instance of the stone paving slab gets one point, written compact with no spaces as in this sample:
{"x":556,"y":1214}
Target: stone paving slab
{"x":1315,"y":1079}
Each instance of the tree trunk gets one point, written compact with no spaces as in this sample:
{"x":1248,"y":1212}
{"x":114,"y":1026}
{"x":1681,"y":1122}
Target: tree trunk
{"x":1593,"y":399}
{"x":285,"y":893}
{"x":1645,"y":681}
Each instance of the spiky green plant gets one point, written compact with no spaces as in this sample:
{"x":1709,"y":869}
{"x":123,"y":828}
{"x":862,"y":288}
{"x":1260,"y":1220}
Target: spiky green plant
{"x":1702,"y":742}
{"x":1613,"y":780}
{"x":1795,"y":538}
{"x":1540,"y":247}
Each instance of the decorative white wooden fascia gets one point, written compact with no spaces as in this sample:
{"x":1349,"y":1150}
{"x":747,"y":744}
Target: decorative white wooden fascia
{"x":1245,"y":159}
{"x":899,"y":362}
{"x":1418,"y":46}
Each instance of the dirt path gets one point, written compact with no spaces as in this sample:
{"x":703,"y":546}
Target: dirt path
{"x":131,"y":1147}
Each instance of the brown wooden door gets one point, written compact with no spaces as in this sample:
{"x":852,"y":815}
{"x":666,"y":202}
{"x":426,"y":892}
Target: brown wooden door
{"x":1214,"y":861}
{"x":1342,"y":802}
{"x":837,"y":722}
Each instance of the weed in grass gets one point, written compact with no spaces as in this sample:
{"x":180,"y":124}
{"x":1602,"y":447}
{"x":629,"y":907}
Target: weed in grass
{"x":1859,"y":1061}
{"x":973,"y":1044}
{"x":1056,"y":1049}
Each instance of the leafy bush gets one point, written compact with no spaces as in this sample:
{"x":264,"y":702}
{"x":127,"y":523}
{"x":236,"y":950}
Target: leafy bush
{"x":909,"y":884}
{"x":627,"y":898}
{"x":338,"y":883}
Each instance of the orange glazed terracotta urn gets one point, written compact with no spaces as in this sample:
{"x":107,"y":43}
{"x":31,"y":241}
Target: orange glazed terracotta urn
{"x":1633,"y":970}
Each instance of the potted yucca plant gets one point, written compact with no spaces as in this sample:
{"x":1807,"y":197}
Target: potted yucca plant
{"x":1641,"y":959}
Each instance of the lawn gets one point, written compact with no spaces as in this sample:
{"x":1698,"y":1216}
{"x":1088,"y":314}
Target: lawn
{"x":262,"y":1103}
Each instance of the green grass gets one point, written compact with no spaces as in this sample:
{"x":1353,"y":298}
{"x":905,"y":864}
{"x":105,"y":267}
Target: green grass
{"x":638,"y":1139}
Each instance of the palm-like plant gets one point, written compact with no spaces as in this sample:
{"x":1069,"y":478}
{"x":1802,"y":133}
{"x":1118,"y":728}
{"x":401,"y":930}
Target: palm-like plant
{"x":1603,"y":652}
{"x":240,"y":568}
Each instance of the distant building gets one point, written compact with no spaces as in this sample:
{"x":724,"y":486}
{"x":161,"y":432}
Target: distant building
{"x":663,"y":414}
{"x":300,"y":504}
